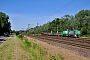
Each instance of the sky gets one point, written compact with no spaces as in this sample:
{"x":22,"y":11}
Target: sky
{"x":24,"y":12}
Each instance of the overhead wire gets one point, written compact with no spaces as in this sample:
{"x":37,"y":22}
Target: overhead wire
{"x":69,"y":10}
{"x":82,"y":5}
{"x":61,"y":8}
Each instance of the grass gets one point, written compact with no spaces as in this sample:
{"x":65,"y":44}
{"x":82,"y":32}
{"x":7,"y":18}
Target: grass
{"x":37,"y":51}
{"x":24,"y":49}
{"x":85,"y":36}
{"x":13,"y":49}
{"x":6,"y":50}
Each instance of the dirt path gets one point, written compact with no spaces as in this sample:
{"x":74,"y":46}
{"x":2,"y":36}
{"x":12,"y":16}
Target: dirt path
{"x":67,"y":54}
{"x":19,"y":52}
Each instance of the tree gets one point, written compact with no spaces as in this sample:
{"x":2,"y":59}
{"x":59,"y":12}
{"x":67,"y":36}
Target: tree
{"x":83,"y":18}
{"x":80,"y":21}
{"x":5,"y":25}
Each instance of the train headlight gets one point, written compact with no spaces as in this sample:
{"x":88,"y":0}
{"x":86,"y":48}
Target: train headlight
{"x":75,"y":35}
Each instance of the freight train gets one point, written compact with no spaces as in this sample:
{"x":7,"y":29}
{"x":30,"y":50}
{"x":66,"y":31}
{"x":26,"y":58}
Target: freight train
{"x":66,"y":33}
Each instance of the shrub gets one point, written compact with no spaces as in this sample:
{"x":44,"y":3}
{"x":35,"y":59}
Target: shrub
{"x":83,"y":31}
{"x":17,"y":33}
{"x":20,"y":36}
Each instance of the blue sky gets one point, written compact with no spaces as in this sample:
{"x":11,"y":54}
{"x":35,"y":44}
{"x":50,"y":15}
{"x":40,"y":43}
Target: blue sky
{"x":24,"y":12}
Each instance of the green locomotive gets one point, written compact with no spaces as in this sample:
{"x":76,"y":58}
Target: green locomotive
{"x":71,"y":33}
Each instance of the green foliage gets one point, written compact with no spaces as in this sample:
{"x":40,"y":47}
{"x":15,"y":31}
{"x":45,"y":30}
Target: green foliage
{"x":17,"y":33}
{"x":20,"y":36}
{"x":86,"y":36}
{"x":81,"y":21}
{"x":83,"y":31}
{"x":37,"y":51}
{"x":5,"y":25}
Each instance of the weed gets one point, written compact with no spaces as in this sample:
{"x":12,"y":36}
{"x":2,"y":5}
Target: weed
{"x":37,"y":51}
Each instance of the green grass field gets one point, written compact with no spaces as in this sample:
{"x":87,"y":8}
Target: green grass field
{"x":19,"y":48}
{"x":37,"y":51}
{"x":6,"y":50}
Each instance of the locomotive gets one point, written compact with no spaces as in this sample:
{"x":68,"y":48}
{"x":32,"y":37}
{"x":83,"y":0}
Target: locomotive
{"x":71,"y":33}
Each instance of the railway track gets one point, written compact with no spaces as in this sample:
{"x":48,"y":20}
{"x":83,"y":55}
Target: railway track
{"x":80,"y":45}
{"x":78,"y":42}
{"x":81,"y":40}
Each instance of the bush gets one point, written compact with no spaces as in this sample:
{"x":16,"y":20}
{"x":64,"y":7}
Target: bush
{"x":17,"y":33}
{"x":83,"y":31}
{"x":20,"y":36}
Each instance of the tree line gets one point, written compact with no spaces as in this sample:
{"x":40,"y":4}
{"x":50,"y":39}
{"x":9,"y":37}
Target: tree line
{"x":80,"y":21}
{"x":5,"y":25}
